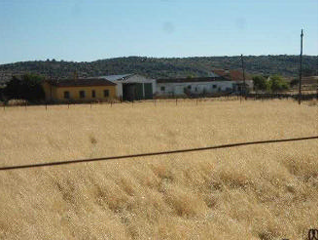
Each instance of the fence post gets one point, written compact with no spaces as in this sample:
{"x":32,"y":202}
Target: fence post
{"x":46,"y":107}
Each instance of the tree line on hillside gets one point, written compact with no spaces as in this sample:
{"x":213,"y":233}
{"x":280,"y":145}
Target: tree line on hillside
{"x":285,"y":65}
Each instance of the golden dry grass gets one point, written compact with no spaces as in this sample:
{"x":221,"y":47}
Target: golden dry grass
{"x":253,"y":192}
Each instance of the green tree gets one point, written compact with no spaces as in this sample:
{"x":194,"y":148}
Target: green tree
{"x":277,"y":84}
{"x":27,"y":86}
{"x":260,"y":82}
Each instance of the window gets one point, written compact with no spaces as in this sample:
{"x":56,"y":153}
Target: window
{"x":106,"y":93}
{"x":93,"y":93}
{"x":163,"y":88}
{"x":82,"y":94}
{"x":189,"y":87}
{"x":196,"y":89}
{"x":66,"y":94}
{"x":214,"y":86}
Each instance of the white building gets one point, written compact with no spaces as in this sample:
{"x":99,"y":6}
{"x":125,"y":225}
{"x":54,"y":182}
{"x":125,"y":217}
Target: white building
{"x":236,"y":76}
{"x":133,"y":86}
{"x":195,"y":86}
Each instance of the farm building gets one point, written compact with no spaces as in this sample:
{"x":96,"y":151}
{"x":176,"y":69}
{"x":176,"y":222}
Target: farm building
{"x":195,"y":86}
{"x":132,"y":86}
{"x":82,"y":89}
{"x":235,"y":76}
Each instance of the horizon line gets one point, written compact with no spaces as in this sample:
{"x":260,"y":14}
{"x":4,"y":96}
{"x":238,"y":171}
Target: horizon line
{"x":137,"y":56}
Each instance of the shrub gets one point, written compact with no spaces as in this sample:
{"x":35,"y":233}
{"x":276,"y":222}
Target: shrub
{"x":294,"y":82}
{"x":260,"y":82}
{"x":277,"y":84}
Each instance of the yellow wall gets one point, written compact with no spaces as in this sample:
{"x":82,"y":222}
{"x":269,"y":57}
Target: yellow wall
{"x":50,"y":91}
{"x":57,"y":93}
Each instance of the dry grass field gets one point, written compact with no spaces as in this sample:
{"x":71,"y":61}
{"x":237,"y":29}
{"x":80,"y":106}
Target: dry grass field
{"x":253,"y":192}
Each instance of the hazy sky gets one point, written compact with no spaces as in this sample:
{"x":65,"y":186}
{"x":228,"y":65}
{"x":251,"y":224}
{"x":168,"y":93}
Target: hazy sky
{"x":86,"y":30}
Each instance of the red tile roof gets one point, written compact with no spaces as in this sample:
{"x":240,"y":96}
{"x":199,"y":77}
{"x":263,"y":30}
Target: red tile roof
{"x":81,"y":82}
{"x":232,"y":75}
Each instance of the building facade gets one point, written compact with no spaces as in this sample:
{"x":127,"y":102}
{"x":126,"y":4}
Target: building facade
{"x":236,"y":76}
{"x":194,"y":86}
{"x":132,"y":86}
{"x":79,"y":90}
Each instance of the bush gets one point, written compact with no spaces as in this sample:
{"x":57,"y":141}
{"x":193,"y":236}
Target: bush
{"x":260,"y":83}
{"x":294,"y":82}
{"x":277,"y":84}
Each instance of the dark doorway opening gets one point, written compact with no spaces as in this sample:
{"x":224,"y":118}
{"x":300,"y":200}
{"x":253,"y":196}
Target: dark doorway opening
{"x":137,"y":91}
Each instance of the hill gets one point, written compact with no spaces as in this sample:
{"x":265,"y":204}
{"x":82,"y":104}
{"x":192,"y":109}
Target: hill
{"x":286,"y":65}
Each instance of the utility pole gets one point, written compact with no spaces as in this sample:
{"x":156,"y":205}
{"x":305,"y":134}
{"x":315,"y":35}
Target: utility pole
{"x":300,"y":72}
{"x":244,"y":78}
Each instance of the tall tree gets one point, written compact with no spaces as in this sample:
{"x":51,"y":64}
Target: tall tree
{"x":27,"y":86}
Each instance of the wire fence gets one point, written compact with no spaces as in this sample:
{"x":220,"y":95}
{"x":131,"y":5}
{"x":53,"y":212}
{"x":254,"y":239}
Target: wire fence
{"x":48,"y":164}
{"x":175,"y":100}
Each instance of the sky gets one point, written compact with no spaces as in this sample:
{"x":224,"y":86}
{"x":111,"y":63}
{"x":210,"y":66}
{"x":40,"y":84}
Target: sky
{"x":88,"y":30}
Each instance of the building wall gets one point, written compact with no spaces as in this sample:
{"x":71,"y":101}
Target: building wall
{"x":57,"y":93}
{"x":250,"y":84}
{"x":119,"y":89}
{"x":140,"y":79}
{"x":194,"y":87}
{"x":50,"y":91}
{"x":46,"y":89}
{"x":134,"y":79}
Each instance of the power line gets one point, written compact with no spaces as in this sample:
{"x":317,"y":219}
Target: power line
{"x":153,"y":153}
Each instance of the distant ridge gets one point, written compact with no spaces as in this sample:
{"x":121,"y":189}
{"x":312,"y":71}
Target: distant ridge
{"x":286,"y":65}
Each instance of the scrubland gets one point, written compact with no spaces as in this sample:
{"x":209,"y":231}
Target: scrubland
{"x":252,"y":192}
